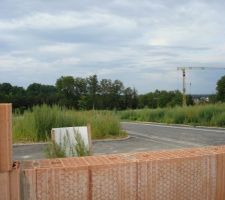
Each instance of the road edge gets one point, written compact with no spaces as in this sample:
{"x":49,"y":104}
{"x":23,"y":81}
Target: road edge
{"x":178,"y":125}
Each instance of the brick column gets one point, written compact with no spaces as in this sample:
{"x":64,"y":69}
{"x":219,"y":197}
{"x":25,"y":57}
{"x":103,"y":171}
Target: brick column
{"x":5,"y":137}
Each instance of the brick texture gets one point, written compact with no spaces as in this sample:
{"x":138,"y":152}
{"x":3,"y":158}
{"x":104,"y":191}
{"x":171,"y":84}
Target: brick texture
{"x":4,"y":186}
{"x":112,"y":177}
{"x":5,"y":137}
{"x":14,"y":185}
{"x":56,"y":179}
{"x":10,"y":183}
{"x":185,"y":174}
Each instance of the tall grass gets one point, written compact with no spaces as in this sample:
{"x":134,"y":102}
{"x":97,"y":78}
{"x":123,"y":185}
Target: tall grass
{"x":207,"y":115}
{"x":36,"y":124}
{"x":67,"y":148}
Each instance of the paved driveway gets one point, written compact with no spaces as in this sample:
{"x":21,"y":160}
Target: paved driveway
{"x":143,"y":137}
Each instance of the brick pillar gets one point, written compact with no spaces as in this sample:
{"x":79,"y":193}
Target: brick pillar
{"x":220,"y":188}
{"x":5,"y":137}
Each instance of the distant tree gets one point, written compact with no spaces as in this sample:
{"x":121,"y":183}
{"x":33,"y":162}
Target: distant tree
{"x":80,"y":89}
{"x":128,"y":93}
{"x":39,"y":94}
{"x":116,"y":94}
{"x":221,"y":89}
{"x":212,"y":98}
{"x":130,"y":98}
{"x":190,"y":101}
{"x":92,"y":88}
{"x":176,"y":98}
{"x":105,"y":90}
{"x":13,"y":94}
{"x":65,"y":86}
{"x":5,"y":92}
{"x":6,"y":88}
{"x":19,"y":98}
{"x":80,"y":86}
{"x":160,"y":99}
{"x":134,"y":98}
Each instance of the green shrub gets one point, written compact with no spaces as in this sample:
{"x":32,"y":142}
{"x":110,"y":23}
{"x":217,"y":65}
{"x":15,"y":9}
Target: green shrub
{"x":36,"y":124}
{"x":195,"y":115}
{"x":105,"y":126}
{"x":218,"y":120}
{"x":54,"y":150}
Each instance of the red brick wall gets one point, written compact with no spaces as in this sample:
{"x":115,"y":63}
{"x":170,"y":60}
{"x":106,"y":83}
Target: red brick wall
{"x":9,"y":170}
{"x":5,"y":137}
{"x":195,"y":174}
{"x":192,"y":174}
{"x":10,"y":183}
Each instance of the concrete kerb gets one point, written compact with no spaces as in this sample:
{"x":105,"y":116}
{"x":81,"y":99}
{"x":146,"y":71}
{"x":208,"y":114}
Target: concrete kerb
{"x":29,"y":144}
{"x":112,"y":140}
{"x":99,"y":140}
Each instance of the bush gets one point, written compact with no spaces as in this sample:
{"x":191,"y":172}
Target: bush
{"x":218,"y":120}
{"x":196,"y":115}
{"x":65,"y":149}
{"x":36,"y":124}
{"x":105,"y":126}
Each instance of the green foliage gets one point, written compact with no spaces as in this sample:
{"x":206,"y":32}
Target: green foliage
{"x":46,"y":118}
{"x":54,"y":150}
{"x":160,"y":99}
{"x":36,"y":124}
{"x":221,"y":89}
{"x":218,"y":120}
{"x":105,"y":125}
{"x":86,"y":94}
{"x":24,"y":127}
{"x":92,"y":87}
{"x":79,"y":149}
{"x":207,"y":115}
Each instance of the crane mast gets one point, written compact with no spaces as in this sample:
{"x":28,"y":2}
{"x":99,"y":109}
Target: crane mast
{"x":183,"y":69}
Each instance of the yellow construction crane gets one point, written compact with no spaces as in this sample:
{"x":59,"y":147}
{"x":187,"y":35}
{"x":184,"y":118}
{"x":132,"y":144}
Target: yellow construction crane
{"x":183,"y":69}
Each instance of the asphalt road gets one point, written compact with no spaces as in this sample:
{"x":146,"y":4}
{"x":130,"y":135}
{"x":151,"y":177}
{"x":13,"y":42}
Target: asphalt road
{"x":176,"y":136}
{"x":143,"y":137}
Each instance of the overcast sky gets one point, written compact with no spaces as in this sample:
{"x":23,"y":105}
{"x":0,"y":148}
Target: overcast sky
{"x":140,"y":42}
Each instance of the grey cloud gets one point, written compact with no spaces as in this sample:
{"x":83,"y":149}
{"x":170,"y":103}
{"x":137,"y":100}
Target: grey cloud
{"x":141,"y":42}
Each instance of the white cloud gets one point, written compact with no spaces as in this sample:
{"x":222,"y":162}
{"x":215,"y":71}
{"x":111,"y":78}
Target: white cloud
{"x":9,"y":63}
{"x":59,"y":48}
{"x":67,"y":61}
{"x":67,"y":20}
{"x":140,"y":42}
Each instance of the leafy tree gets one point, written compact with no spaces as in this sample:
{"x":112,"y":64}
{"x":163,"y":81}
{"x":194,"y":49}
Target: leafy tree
{"x":105,"y":90}
{"x":19,"y":98}
{"x":130,"y":98}
{"x":221,"y":89}
{"x":39,"y":94}
{"x":117,"y":91}
{"x":92,"y":88}
{"x":80,"y":86}
{"x":189,"y":100}
{"x":160,"y":99}
{"x":65,"y":86}
{"x":134,"y":99}
{"x":5,"y":92}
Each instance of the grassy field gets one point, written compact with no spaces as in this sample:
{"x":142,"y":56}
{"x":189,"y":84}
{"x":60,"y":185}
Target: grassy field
{"x":36,"y":124}
{"x":205,"y":115}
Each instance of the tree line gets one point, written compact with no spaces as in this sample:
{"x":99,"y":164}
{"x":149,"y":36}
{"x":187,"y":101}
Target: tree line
{"x":78,"y":93}
{"x":91,"y":93}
